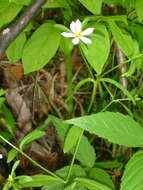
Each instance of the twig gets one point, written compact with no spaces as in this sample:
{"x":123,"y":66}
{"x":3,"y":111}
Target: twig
{"x":10,"y":34}
{"x":123,"y":68}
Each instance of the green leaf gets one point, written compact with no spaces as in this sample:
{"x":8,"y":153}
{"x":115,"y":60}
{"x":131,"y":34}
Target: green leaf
{"x":41,"y":47}
{"x":115,"y":127}
{"x":11,"y":155}
{"x":36,"y":180}
{"x":21,"y":2}
{"x":15,"y":167}
{"x":31,"y":137}
{"x":8,"y":11}
{"x":57,"y":4}
{"x":133,"y":175}
{"x":91,"y":184}
{"x":2,"y":92}
{"x":108,"y":164}
{"x":94,"y":6}
{"x":61,"y":127}
{"x":15,"y":50}
{"x":76,"y":171}
{"x":85,"y":154}
{"x":123,"y":39}
{"x":97,"y":52}
{"x":72,"y":138}
{"x":139,"y":9}
{"x":101,"y":176}
{"x":54,"y":186}
{"x":9,"y":119}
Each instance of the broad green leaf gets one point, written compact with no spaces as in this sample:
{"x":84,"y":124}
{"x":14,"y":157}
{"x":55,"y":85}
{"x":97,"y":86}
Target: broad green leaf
{"x":97,"y":52}
{"x":57,"y":4}
{"x":61,"y":127}
{"x":101,"y":176}
{"x":116,"y":127}
{"x":139,"y":9}
{"x":54,"y":186}
{"x":85,"y":154}
{"x":21,"y":2}
{"x":76,"y":171}
{"x":8,"y":11}
{"x":31,"y":137}
{"x":41,"y":47}
{"x":108,"y":164}
{"x":123,"y":39}
{"x":91,"y":184}
{"x":133,"y":175}
{"x":11,"y":155}
{"x":93,"y":6}
{"x":72,"y":138}
{"x":14,"y":51}
{"x":36,"y":180}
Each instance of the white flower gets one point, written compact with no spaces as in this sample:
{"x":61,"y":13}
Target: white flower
{"x":1,"y":156}
{"x":77,"y":34}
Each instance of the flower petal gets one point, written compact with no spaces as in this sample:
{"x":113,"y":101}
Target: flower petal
{"x":73,"y":27}
{"x":88,"y":31}
{"x":75,"y":41}
{"x":1,"y":156}
{"x":78,"y":26}
{"x":86,"y":40}
{"x":67,"y":34}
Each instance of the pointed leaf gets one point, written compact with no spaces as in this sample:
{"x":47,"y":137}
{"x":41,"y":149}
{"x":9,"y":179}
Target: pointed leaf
{"x":31,"y":137}
{"x":123,"y":39}
{"x":115,"y":127}
{"x":72,"y":138}
{"x":93,"y":6}
{"x":14,"y":51}
{"x":85,"y":148}
{"x":91,"y":184}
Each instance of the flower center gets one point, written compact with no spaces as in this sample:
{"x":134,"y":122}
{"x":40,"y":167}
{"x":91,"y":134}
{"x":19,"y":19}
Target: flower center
{"x":78,"y":35}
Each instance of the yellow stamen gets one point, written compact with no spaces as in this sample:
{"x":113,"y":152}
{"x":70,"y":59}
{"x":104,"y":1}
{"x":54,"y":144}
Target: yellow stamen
{"x":78,"y":35}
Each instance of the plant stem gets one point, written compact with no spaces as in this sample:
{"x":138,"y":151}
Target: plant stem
{"x":88,"y":67}
{"x":93,"y":96}
{"x":121,"y":64}
{"x":73,"y":159}
{"x":31,"y":160}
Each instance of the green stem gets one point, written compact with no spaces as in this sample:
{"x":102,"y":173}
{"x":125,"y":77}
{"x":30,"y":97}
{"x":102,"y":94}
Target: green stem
{"x":87,"y":65}
{"x":30,"y":159}
{"x":73,"y":158}
{"x":69,"y":83}
{"x":121,"y":64}
{"x":93,"y":96}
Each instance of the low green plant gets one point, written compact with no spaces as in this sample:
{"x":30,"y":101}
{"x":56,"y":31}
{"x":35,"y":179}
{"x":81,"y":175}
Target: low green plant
{"x":101,"y":31}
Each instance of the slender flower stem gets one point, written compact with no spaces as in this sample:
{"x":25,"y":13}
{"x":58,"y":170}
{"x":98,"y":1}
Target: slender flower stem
{"x":69,"y":83}
{"x":31,"y":160}
{"x":73,"y":158}
{"x":88,"y":67}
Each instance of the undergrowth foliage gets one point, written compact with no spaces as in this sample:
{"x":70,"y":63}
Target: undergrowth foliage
{"x":102,"y":119}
